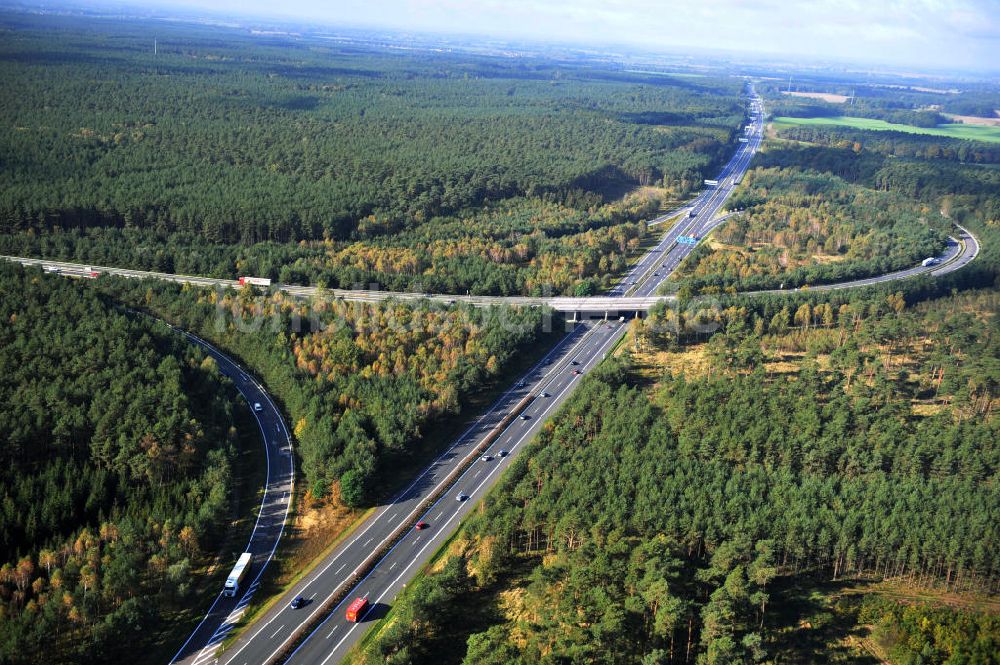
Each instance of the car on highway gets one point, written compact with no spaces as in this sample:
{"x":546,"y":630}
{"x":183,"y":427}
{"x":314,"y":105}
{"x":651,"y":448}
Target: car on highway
{"x":520,"y":384}
{"x":462,"y":496}
{"x":487,"y":458}
{"x":525,"y":416}
{"x":574,"y":362}
{"x":420,"y":526}
{"x":544,"y":394}
{"x":576,"y":371}
{"x":297,"y":602}
{"x":257,"y":407}
{"x":502,"y":453}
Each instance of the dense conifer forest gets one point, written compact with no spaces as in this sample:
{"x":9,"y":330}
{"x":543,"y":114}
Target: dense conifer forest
{"x":650,"y":521}
{"x":303,"y":160}
{"x":362,"y":383}
{"x":743,"y":445}
{"x":116,"y":474}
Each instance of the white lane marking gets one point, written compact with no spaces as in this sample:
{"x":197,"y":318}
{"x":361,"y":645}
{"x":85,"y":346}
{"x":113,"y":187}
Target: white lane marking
{"x":462,"y":440}
{"x":493,"y":470}
{"x":276,"y":632}
{"x":340,"y":569}
{"x":556,"y":348}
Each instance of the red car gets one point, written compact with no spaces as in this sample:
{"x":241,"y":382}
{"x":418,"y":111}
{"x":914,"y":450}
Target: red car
{"x":576,"y":371}
{"x":421,"y":526}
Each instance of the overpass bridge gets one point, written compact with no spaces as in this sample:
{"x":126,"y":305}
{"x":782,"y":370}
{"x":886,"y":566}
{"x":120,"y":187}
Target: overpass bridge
{"x":592,"y":305}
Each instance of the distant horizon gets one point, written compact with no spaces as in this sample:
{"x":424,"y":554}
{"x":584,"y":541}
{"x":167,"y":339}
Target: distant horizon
{"x":924,"y":35}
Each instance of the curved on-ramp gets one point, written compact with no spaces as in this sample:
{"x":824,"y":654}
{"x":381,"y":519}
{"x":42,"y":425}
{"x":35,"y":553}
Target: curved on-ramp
{"x":547,"y":385}
{"x":199,"y":647}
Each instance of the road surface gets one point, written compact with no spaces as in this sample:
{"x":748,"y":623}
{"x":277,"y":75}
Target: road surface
{"x":319,"y":636}
{"x":324,"y":637}
{"x":271,"y":516}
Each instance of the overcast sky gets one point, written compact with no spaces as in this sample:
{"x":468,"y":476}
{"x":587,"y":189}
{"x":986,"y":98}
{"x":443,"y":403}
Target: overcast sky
{"x":919,"y":33}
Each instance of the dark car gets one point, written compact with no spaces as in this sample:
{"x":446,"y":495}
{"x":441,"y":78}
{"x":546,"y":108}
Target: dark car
{"x":421,"y":526}
{"x":576,"y":371}
{"x":297,"y":602}
{"x":502,"y":453}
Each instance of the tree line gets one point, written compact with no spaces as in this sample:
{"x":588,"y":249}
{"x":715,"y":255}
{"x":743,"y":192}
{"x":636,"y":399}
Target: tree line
{"x":647,"y":522}
{"x":227,"y":141}
{"x":362,"y":383}
{"x":117,"y":471}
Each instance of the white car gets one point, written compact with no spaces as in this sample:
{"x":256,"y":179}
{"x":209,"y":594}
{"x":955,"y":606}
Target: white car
{"x":257,"y":407}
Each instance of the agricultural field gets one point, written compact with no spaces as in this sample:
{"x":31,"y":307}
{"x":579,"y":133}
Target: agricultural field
{"x":948,"y":130}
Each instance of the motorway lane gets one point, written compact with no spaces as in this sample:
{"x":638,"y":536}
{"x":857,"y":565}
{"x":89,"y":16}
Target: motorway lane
{"x":588,"y":342}
{"x":663,"y":259}
{"x":335,"y":636}
{"x":272,"y":631}
{"x":271,"y":516}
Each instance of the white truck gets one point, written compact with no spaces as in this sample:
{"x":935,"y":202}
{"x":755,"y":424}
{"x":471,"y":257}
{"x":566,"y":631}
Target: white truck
{"x":930,"y":261}
{"x":237,"y":575}
{"x":255,"y":281}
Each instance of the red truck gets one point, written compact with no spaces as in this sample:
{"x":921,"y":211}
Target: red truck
{"x":356,"y":609}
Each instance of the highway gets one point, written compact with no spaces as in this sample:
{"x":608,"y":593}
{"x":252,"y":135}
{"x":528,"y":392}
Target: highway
{"x":271,"y":516}
{"x":319,"y":633}
{"x":386,"y":551}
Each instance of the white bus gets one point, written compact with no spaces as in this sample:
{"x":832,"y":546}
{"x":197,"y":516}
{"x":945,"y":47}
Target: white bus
{"x":238,"y":574}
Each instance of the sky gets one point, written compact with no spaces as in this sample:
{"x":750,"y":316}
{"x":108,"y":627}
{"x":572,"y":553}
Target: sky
{"x":939,"y":34}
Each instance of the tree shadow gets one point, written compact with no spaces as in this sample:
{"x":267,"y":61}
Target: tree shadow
{"x":810,"y":620}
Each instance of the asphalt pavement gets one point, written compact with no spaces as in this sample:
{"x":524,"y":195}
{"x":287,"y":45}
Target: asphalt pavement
{"x":272,"y":513}
{"x":321,"y":637}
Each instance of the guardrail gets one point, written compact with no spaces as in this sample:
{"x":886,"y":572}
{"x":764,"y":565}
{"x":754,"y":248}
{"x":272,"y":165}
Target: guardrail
{"x":366,"y":566}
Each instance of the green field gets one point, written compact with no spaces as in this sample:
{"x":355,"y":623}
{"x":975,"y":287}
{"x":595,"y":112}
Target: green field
{"x":952,"y":130}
